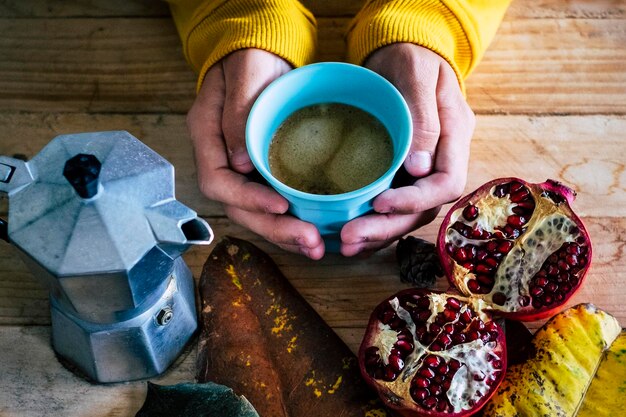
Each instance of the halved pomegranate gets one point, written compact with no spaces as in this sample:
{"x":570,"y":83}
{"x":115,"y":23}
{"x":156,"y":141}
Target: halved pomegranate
{"x":517,"y":246}
{"x":433,"y":354}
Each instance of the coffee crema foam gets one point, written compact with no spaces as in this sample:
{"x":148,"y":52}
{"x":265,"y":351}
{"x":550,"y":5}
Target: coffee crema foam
{"x":330,"y":148}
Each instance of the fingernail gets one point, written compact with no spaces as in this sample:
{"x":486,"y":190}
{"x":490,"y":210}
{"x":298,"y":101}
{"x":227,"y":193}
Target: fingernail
{"x":239,"y":157}
{"x":419,"y":163}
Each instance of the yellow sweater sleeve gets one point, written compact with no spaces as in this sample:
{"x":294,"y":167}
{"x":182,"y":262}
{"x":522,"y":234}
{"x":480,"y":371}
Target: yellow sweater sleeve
{"x":458,"y":30}
{"x":211,"y":29}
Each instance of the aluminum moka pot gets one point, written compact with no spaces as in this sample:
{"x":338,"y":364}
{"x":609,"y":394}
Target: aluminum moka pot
{"x":95,"y":218}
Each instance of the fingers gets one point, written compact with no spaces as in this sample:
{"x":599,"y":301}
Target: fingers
{"x":375,"y":231}
{"x":246,"y":74}
{"x":449,"y":176}
{"x":415,"y":73}
{"x":284,"y":231}
{"x":215,"y":178}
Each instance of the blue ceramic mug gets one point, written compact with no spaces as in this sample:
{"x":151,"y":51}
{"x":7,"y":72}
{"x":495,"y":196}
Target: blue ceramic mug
{"x":328,"y":82}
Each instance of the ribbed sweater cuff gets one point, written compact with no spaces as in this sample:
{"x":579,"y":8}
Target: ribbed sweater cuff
{"x":283,"y":27}
{"x":428,"y":23}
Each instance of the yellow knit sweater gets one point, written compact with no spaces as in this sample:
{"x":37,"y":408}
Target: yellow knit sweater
{"x":458,"y":30}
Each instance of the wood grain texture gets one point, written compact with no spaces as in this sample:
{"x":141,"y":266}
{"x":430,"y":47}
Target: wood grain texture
{"x":534,"y":66}
{"x":550,"y":95}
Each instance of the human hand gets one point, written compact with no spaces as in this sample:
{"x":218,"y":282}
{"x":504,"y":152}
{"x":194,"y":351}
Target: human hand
{"x":216,"y":123}
{"x":443,"y":125}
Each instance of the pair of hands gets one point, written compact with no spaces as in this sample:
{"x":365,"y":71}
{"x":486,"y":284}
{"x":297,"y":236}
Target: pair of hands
{"x":437,"y":162}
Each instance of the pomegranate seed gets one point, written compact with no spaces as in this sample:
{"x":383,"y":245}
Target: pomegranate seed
{"x":432,"y":360}
{"x":386,"y":316}
{"x":466,"y":316}
{"x":515,"y":186}
{"x":491,"y":246}
{"x":541,"y":281}
{"x":453,"y":303}
{"x":396,"y":363}
{"x":443,"y":369}
{"x":429,"y":402}
{"x":501,"y":190}
{"x":582,"y":261}
{"x":504,"y":246}
{"x":484,"y":269}
{"x":516,"y":221}
{"x":458,"y":338}
{"x":558,"y":297}
{"x":563,"y":265}
{"x":481,"y":254}
{"x":389,"y":375}
{"x":553,"y":271}
{"x":551,"y":287}
{"x":436,"y":390}
{"x":473,"y":285}
{"x":420,"y":394}
{"x":427,"y":373}
{"x":404,"y":346}
{"x":462,"y":254}
{"x":554,"y":258}
{"x":524,"y":301}
{"x":397,"y":323}
{"x":485,"y":337}
{"x":547,"y":299}
{"x":571,"y":260}
{"x":469,"y":266}
{"x":479,"y":377}
{"x":442,"y":405}
{"x":473,"y":335}
{"x":536,"y":291}
{"x":492,"y":262}
{"x":573,"y":249}
{"x":519,"y":195}
{"x":537,"y":303}
{"x":566,"y":288}
{"x":421,"y":382}
{"x":470,"y":212}
{"x":446,"y":384}
{"x":436,"y":347}
{"x":450,"y":315}
{"x":454,"y":364}
{"x":563,"y":277}
{"x":449,"y":328}
{"x":423,"y":315}
{"x":445,"y":340}
{"x":486,"y":280}
{"x":435,"y":328}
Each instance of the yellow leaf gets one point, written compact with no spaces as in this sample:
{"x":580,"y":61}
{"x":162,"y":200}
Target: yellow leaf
{"x":554,"y":380}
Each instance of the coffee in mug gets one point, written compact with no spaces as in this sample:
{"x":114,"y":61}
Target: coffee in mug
{"x":330,"y":148}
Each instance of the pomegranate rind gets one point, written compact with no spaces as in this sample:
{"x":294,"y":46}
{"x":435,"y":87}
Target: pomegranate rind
{"x":567,"y":352}
{"x":407,"y":407}
{"x":458,"y":276}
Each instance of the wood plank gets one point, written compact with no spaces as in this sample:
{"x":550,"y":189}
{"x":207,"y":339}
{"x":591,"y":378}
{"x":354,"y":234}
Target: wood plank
{"x":83,"y":8}
{"x":35,"y":384}
{"x":535,"y":148}
{"x":322,"y":8}
{"x":534,"y":66}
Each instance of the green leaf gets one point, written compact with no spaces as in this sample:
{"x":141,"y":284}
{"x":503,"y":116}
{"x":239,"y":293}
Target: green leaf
{"x":191,"y":400}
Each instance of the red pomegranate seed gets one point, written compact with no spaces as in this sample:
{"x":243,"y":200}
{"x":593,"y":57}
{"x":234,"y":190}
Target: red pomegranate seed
{"x":429,"y":402}
{"x":453,"y":303}
{"x":470,"y":212}
{"x":432,"y":360}
{"x":473,"y":335}
{"x":499,"y":298}
{"x":445,"y":340}
{"x":516,"y":221}
{"x":396,"y":363}
{"x":536,"y":291}
{"x":404,"y":346}
{"x":486,"y":280}
{"x":421,"y":382}
{"x":541,"y":281}
{"x":450,"y":315}
{"x":524,"y":301}
{"x":442,"y":405}
{"x":515,"y":186}
{"x":571,"y":260}
{"x":435,"y":328}
{"x":481,"y":255}
{"x":458,"y":338}
{"x":492,"y":262}
{"x":501,"y":190}
{"x":473,"y":285}
{"x":420,"y":394}
{"x":505,"y":246}
{"x":436,"y":347}
{"x":519,"y":195}
{"x":454,"y":364}
{"x":443,"y":369}
{"x":466,"y":316}
{"x":551,"y":287}
{"x":547,"y":299}
{"x":427,"y":373}
{"x":436,"y":390}
{"x":491,"y":246}
{"x":449,"y":328}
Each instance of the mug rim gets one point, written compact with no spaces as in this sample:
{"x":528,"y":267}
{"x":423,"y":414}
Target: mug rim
{"x":328,"y":66}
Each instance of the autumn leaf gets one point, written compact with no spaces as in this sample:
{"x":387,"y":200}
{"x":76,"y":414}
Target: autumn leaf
{"x":576,"y":368}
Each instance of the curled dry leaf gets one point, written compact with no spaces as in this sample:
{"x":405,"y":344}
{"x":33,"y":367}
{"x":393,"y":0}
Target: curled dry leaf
{"x":262,"y":339}
{"x":577,"y":367}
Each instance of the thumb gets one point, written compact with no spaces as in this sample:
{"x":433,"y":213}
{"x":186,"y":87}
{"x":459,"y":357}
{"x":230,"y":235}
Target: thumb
{"x":246,"y":73}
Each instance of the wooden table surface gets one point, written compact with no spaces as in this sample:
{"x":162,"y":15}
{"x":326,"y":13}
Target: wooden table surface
{"x":550,"y":99}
